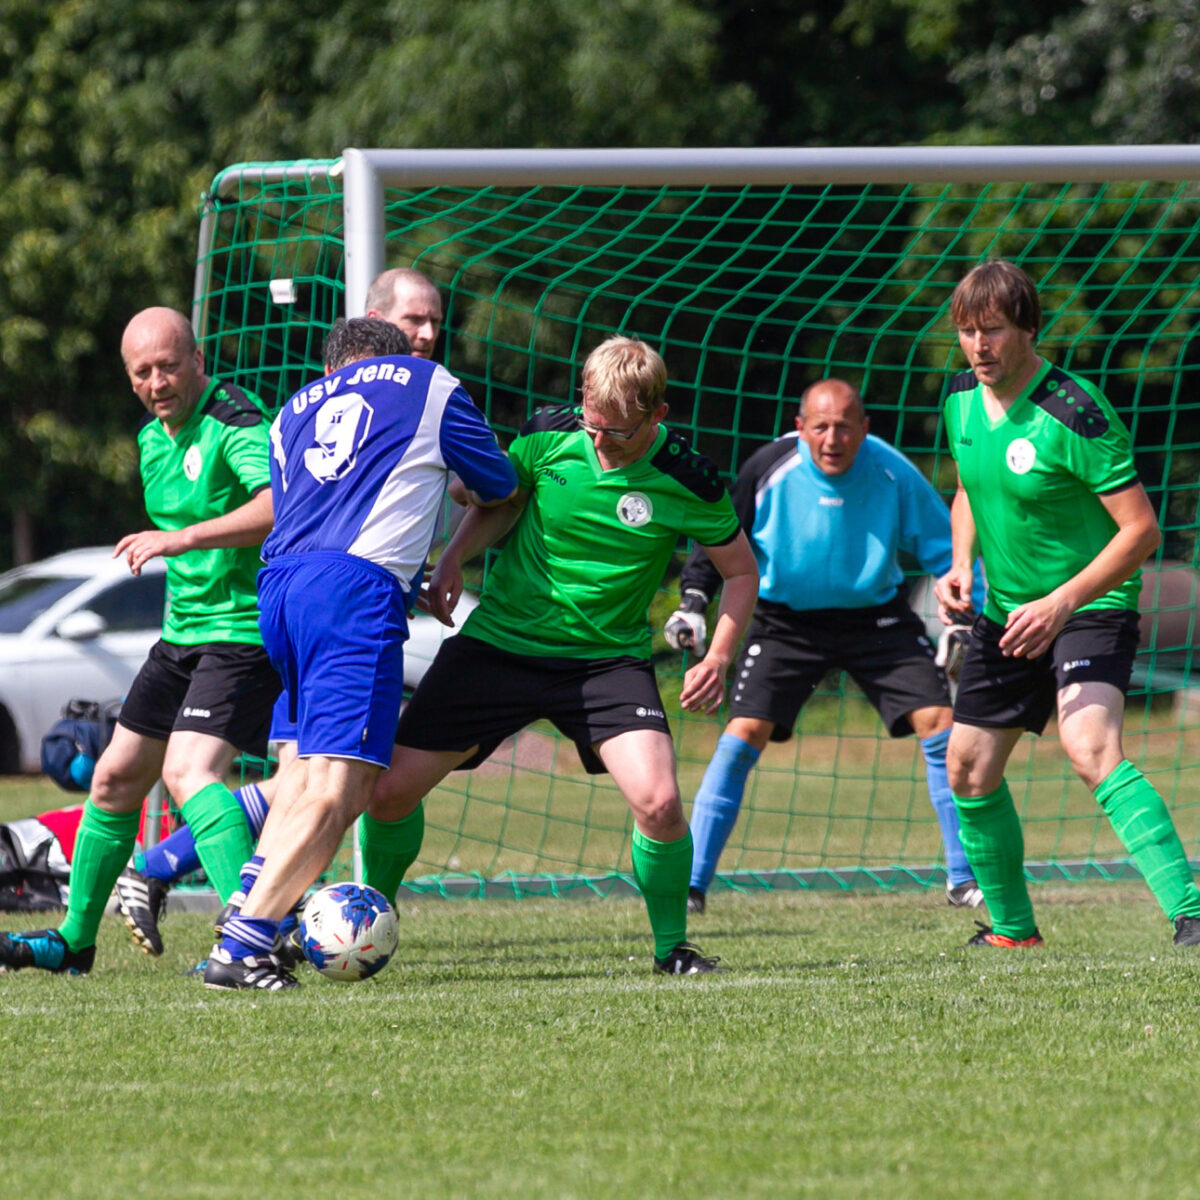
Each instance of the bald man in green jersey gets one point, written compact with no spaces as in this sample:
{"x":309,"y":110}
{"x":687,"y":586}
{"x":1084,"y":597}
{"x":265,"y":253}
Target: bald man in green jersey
{"x":562,"y":632}
{"x":206,"y":689}
{"x":1049,"y":496}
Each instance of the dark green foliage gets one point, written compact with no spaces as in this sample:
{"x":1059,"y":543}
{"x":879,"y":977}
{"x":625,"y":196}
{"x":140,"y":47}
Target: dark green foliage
{"x":114,"y":118}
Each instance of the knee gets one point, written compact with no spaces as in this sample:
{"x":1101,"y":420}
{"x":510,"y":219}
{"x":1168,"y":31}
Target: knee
{"x":183,"y":781}
{"x":928,"y":722}
{"x":754,"y":731}
{"x":392,"y":798}
{"x":965,"y":772}
{"x":660,"y":813}
{"x":118,"y":789}
{"x":1093,"y":761}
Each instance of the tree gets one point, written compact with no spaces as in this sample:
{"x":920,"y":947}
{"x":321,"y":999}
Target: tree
{"x":865,"y":72}
{"x":1102,"y":72}
{"x":113,"y":118}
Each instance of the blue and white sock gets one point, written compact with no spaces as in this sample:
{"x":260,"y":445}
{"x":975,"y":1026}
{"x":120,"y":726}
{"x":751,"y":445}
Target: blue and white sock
{"x":254,"y":806}
{"x":250,"y":871}
{"x":175,"y":856}
{"x":246,"y":936}
{"x":958,"y":870}
{"x":715,"y":809}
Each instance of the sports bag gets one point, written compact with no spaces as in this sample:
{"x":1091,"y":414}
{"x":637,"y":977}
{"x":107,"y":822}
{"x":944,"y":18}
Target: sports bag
{"x":75,"y":741}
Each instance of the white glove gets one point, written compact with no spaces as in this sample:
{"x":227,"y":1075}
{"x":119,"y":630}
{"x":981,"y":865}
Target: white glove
{"x":687,"y":629}
{"x":952,"y":646}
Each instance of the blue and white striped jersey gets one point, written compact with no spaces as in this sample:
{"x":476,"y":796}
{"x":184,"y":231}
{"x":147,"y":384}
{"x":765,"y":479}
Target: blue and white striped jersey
{"x":360,"y":461}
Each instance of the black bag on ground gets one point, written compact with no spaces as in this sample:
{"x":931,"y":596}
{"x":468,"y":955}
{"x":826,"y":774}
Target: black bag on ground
{"x":75,"y":741}
{"x":34,"y":873}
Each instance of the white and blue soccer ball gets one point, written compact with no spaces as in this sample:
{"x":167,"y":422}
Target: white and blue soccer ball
{"x":349,"y":931}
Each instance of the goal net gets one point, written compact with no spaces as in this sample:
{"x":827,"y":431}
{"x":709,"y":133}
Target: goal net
{"x":754,"y":274}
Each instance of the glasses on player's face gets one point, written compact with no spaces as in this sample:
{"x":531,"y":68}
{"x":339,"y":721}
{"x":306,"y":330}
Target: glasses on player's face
{"x":618,"y":435}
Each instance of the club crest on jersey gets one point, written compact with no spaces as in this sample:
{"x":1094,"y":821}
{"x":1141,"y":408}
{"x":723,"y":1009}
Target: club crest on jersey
{"x":1020,"y":456}
{"x":341,"y":427}
{"x":192,"y":462}
{"x":634,"y":509}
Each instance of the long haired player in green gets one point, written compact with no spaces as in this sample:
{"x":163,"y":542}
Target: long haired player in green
{"x":1049,"y":496}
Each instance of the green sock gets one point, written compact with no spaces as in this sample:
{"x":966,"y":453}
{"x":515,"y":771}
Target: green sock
{"x":223,"y":839}
{"x":1141,"y":820}
{"x":990,"y":832}
{"x":662,"y":871}
{"x":103,"y":844}
{"x":389,"y":848}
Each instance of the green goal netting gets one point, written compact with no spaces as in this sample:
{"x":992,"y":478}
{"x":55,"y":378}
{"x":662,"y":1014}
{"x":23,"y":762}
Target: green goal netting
{"x":751,"y":292}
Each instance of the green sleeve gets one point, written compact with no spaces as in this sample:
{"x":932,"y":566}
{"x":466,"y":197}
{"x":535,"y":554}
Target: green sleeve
{"x":712,"y":523}
{"x":248,"y":452}
{"x":1105,"y":463}
{"x":522,"y":454}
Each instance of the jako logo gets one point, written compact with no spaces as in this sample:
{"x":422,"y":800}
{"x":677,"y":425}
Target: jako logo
{"x":1076,"y":663}
{"x":551,"y":474}
{"x":648,"y":712}
{"x":196,"y":712}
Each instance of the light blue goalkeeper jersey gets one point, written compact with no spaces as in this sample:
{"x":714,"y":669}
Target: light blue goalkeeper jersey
{"x":832,"y":541}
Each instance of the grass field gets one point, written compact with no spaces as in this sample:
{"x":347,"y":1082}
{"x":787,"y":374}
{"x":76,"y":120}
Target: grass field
{"x":854,"y":1049}
{"x":839,"y":794}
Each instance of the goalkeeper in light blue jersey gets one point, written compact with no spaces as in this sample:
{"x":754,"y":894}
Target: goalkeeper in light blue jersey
{"x":827,"y":510}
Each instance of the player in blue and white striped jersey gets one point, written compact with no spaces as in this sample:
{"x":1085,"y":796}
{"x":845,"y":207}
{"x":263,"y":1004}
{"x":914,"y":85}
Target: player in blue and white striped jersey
{"x":360,"y":460}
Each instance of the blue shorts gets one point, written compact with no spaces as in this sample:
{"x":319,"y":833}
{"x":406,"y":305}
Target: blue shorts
{"x":283,"y":724}
{"x":334,"y":626}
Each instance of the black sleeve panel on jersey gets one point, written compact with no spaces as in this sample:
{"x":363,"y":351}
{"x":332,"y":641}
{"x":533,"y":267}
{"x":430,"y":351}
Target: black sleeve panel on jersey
{"x":563,"y":418}
{"x":698,"y":573}
{"x":1062,"y":398}
{"x":677,"y":460}
{"x":964,"y":381}
{"x":231,"y":406}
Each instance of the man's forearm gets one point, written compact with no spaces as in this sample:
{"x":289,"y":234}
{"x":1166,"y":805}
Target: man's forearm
{"x":247,"y":525}
{"x":482,"y":528}
{"x":963,"y":535}
{"x":738,"y":596}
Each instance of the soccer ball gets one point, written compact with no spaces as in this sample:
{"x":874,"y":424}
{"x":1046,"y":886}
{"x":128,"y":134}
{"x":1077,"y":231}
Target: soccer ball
{"x":348,"y":931}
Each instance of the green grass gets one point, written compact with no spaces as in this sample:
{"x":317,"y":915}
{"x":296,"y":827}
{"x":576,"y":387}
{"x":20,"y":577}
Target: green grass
{"x":838,"y":794}
{"x":854,"y":1049}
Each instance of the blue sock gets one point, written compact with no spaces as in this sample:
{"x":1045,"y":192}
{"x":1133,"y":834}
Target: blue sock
{"x":250,"y":870}
{"x":171,"y":859}
{"x":958,"y":870}
{"x":175,"y":856}
{"x":246,"y":936}
{"x":254,"y":806}
{"x":715,"y":809}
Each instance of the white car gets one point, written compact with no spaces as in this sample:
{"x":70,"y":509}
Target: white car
{"x":79,"y":626}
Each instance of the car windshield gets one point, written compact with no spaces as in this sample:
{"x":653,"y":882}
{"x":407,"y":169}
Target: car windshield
{"x":28,"y":596}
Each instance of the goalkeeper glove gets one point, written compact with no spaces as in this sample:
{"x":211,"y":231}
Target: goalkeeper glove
{"x":952,"y":646}
{"x":687,"y":629}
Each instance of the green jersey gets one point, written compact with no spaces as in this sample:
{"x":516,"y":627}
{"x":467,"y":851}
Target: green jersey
{"x":216,"y":461}
{"x":1034,"y":478}
{"x":586,"y":556}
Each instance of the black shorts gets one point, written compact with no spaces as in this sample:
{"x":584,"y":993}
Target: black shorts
{"x":883,"y":649}
{"x":225,"y":689}
{"x":1095,"y":646}
{"x":474,"y":694}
